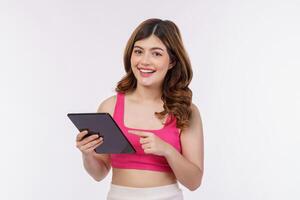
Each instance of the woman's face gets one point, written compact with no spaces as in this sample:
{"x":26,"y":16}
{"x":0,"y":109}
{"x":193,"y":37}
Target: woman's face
{"x":150,"y":61}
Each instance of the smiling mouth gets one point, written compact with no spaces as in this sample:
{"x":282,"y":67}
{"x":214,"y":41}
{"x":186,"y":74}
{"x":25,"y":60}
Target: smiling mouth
{"x":147,"y":71}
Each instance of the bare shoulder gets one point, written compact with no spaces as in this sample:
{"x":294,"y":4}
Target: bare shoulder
{"x":108,"y":105}
{"x":196,"y":117}
{"x":195,"y":120}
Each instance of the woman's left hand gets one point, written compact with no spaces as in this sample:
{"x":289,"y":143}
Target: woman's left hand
{"x":151,"y":143}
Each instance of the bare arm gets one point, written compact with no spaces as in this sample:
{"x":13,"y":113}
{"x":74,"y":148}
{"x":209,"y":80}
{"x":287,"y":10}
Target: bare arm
{"x":95,"y":166}
{"x":188,"y":167}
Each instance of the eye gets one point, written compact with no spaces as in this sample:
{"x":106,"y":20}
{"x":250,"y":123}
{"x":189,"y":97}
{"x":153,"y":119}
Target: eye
{"x":157,"y":54}
{"x":137,"y":51}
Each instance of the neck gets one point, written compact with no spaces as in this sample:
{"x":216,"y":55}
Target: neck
{"x":147,"y":94}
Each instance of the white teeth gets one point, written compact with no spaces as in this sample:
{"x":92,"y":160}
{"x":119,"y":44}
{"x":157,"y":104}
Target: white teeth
{"x":147,"y":71}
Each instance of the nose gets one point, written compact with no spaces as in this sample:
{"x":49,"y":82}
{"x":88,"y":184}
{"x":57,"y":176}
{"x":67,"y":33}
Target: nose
{"x":145,"y":60}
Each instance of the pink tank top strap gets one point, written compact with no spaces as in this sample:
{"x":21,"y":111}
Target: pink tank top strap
{"x":119,"y":108}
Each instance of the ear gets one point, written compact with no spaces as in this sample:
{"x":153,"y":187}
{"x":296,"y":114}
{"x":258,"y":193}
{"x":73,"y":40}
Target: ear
{"x":171,"y":65}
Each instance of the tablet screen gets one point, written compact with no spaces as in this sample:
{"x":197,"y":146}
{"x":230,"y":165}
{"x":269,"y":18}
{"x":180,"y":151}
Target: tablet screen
{"x":114,"y":140}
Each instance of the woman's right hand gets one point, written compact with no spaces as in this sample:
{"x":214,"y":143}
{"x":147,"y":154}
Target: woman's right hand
{"x":88,"y":144}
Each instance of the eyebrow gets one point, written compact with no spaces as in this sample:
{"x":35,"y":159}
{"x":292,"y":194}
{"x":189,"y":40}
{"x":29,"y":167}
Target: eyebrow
{"x":153,"y":48}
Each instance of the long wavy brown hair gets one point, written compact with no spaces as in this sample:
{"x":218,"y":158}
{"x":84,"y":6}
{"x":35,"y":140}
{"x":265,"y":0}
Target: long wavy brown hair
{"x":176,"y":94}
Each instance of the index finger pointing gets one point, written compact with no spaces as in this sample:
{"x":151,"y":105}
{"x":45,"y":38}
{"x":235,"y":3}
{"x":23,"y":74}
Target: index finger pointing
{"x":140,"y":133}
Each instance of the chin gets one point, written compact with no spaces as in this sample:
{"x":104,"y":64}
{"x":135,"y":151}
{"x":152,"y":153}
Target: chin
{"x":146,"y":82}
{"x":141,"y":83}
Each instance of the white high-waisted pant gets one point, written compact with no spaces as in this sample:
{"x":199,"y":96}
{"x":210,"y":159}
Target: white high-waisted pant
{"x":166,"y":192}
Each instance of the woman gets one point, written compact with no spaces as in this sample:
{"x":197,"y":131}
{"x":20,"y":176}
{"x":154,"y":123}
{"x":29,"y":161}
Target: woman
{"x":153,"y":107}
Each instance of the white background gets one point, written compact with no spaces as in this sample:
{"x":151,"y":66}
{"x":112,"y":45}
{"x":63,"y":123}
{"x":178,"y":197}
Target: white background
{"x":66,"y":56}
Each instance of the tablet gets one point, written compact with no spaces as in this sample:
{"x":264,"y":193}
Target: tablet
{"x":114,"y":140}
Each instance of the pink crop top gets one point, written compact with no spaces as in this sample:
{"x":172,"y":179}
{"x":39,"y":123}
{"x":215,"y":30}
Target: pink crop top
{"x":140,"y":160}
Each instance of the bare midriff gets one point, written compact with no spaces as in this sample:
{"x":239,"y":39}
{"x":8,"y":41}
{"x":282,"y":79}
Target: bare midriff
{"x":141,"y":178}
